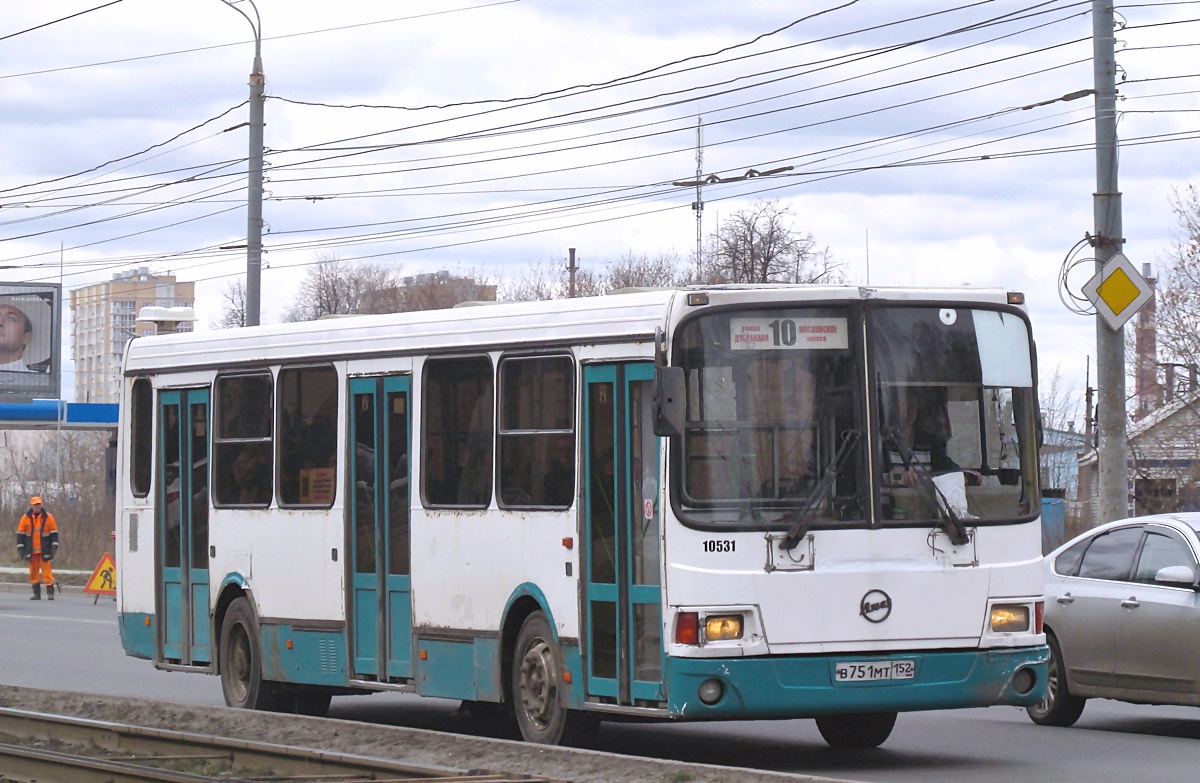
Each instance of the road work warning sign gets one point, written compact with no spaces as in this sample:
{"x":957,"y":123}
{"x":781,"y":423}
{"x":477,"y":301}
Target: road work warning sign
{"x":104,"y":578}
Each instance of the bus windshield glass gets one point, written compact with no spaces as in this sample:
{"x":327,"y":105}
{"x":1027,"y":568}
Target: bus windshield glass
{"x":770,"y":396}
{"x":954,"y":388}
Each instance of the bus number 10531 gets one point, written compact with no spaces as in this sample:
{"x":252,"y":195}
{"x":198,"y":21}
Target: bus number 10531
{"x":720,"y":545}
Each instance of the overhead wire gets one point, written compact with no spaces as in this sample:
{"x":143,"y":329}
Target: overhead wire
{"x":825,"y":39}
{"x":243,"y":43}
{"x":56,"y":21}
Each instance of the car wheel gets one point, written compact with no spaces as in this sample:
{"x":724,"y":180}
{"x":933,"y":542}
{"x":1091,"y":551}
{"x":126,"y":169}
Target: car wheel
{"x":538,"y":689}
{"x":242,"y":682}
{"x":1060,"y":707}
{"x":857,"y":731}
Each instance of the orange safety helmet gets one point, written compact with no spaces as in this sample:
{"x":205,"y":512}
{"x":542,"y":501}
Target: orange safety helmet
{"x":35,"y":501}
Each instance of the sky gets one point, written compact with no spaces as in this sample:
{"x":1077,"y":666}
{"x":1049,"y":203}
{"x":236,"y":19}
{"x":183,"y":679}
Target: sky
{"x":926,"y":141}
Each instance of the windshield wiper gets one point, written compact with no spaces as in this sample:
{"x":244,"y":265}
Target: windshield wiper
{"x":805,"y":514}
{"x":950,"y":524}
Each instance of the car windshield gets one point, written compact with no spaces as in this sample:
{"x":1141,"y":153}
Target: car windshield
{"x":770,"y":396}
{"x":956,"y":409}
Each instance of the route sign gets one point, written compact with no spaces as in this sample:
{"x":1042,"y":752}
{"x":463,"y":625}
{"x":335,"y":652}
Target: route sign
{"x":104,"y":579}
{"x":1118,"y":291}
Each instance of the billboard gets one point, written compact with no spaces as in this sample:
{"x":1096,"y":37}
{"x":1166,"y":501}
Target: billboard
{"x":30,"y":340}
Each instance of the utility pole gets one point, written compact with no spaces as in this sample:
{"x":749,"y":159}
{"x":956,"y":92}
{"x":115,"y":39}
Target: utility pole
{"x":571,"y":273}
{"x":698,"y":204}
{"x":254,"y":195}
{"x":1112,"y":448}
{"x":254,"y":189}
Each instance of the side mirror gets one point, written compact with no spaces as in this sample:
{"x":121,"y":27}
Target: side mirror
{"x":1180,"y":575}
{"x":670,"y":401}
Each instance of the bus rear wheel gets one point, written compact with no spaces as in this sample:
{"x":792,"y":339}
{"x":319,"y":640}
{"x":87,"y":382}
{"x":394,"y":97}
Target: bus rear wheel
{"x":857,"y":731}
{"x":242,"y":682}
{"x":538,"y":689}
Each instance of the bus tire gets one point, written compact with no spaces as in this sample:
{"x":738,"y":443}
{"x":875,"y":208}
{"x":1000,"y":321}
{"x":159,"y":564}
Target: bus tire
{"x":1060,"y":707}
{"x":857,"y":731}
{"x":538,"y":690}
{"x":310,"y":700}
{"x":242,"y":682}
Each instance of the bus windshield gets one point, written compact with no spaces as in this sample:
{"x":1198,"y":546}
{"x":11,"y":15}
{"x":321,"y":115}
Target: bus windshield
{"x":770,"y":394}
{"x":956,"y":409}
{"x":947,"y":422}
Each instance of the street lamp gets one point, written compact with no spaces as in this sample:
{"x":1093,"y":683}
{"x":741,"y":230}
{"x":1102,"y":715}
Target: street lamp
{"x":254,"y":189}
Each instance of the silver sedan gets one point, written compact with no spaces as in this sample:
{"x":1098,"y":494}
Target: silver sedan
{"x":1123,"y":616}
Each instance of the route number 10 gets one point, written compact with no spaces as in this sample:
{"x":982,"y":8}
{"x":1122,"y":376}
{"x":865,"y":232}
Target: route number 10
{"x":783,"y":331}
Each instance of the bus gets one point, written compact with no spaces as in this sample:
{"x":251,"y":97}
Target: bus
{"x":707,"y":503}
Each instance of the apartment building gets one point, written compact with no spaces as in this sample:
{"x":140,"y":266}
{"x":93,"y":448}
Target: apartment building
{"x":104,"y":317}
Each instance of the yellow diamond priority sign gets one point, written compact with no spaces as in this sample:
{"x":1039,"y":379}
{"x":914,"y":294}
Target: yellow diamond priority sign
{"x":1118,"y":291}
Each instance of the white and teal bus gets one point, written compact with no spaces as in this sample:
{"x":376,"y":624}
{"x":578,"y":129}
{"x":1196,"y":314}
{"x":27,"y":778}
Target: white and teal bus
{"x":715,"y":503}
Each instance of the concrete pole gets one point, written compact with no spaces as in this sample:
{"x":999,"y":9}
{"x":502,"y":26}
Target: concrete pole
{"x":1113,"y":448}
{"x":254,"y":189}
{"x":254,"y":195}
{"x":571,"y":277}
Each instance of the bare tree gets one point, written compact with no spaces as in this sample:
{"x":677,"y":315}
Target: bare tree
{"x":337,"y":287}
{"x":72,"y":471}
{"x":1059,"y":404}
{"x":644,"y":271}
{"x":1178,"y":295}
{"x":551,"y":280}
{"x":760,"y":245}
{"x":233,"y":305}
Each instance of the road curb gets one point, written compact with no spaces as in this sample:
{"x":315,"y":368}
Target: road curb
{"x":417,"y":746}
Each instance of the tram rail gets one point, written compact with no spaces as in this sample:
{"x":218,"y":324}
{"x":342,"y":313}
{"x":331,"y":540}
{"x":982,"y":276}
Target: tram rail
{"x":121,"y":753}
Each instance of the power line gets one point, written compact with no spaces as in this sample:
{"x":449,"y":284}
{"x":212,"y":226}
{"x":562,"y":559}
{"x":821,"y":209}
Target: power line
{"x":56,"y":21}
{"x":242,"y":43}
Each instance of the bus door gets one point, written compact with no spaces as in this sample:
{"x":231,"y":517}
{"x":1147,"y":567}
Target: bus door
{"x":381,"y":603}
{"x":182,"y":521}
{"x":622,"y":535}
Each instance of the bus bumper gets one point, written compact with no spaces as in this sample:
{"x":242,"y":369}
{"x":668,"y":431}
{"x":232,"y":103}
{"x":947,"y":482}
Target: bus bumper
{"x":137,"y":634}
{"x":804,"y":686}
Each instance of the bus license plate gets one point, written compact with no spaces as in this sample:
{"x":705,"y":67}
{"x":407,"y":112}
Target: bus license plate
{"x":865,"y":671}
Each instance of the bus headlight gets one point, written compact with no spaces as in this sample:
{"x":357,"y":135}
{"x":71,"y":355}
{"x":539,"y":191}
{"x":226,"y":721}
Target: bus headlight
{"x":1010,"y":618}
{"x":722,"y":627}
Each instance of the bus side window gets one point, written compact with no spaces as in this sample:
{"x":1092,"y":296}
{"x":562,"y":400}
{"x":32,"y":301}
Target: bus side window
{"x":307,"y":436}
{"x":141,"y":436}
{"x":537,"y":435}
{"x":243,"y":442}
{"x":457,"y":432}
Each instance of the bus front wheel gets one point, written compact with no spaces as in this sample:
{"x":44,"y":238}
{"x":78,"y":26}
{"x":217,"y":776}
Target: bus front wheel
{"x":538,"y":689}
{"x":857,"y":731}
{"x":241,"y":668}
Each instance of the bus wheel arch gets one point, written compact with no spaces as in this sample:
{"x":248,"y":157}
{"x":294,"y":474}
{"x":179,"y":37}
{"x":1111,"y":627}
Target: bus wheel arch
{"x":538,"y":688}
{"x":519,"y":608}
{"x":230,"y":591}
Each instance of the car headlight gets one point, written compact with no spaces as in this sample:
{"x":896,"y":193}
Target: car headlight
{"x":722,"y":627}
{"x":1010,"y":618}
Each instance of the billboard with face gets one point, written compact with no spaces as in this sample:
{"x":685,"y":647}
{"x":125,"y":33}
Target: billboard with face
{"x":30,"y":340}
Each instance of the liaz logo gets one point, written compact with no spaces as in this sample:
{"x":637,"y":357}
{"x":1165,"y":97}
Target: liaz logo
{"x":876,"y":606}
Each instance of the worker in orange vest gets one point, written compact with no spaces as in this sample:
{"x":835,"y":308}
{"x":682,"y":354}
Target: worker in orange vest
{"x":37,"y":542}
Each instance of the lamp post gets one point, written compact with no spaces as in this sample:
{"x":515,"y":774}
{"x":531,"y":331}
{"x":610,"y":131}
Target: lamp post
{"x":254,"y":189}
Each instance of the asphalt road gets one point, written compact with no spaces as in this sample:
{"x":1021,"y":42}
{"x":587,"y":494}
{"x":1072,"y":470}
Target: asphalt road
{"x":72,"y":644}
